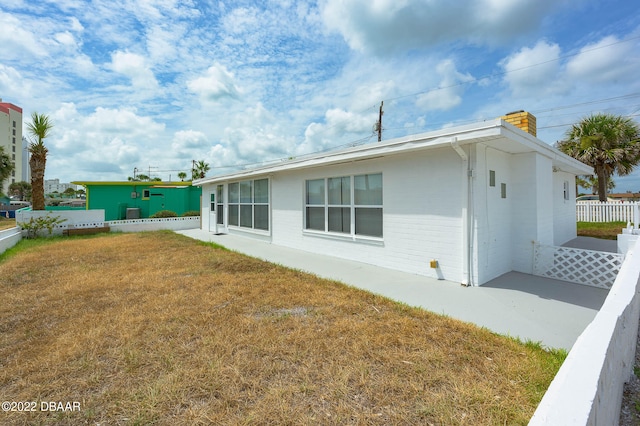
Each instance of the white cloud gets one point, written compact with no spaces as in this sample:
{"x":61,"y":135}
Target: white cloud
{"x":123,"y":122}
{"x":240,"y":20}
{"x":606,"y":61}
{"x":187,"y":144}
{"x":533,"y":70}
{"x":215,"y":84}
{"x":448,"y":95}
{"x":135,"y":67}
{"x":75,"y":24}
{"x":12,"y":84}
{"x":389,"y":25}
{"x":251,"y":135}
{"x":113,"y":141}
{"x":15,"y":40}
{"x":339,"y":125}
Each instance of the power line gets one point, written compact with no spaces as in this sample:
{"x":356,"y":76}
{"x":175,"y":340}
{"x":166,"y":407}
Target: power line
{"x":497,"y":74}
{"x":571,"y":124}
{"x":474,"y":80}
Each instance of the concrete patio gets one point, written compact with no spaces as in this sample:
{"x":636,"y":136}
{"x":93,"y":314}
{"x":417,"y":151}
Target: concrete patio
{"x":529,"y":307}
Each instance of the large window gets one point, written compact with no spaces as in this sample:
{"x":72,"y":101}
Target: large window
{"x":249,"y":204}
{"x":346,"y":205}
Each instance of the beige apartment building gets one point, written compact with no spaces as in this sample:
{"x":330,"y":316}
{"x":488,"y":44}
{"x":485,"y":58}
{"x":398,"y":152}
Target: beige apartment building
{"x":11,"y":140}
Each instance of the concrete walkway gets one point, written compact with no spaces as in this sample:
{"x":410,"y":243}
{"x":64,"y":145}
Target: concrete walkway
{"x":515,"y":304}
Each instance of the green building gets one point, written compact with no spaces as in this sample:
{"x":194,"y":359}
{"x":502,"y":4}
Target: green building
{"x":132,"y":200}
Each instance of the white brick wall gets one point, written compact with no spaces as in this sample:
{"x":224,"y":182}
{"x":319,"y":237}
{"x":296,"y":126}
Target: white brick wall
{"x":422,"y":208}
{"x":423,"y":202}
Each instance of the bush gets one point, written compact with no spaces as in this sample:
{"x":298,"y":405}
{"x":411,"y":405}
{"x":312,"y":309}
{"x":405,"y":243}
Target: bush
{"x":164,"y":213}
{"x":35,"y":226}
{"x":191,"y":213}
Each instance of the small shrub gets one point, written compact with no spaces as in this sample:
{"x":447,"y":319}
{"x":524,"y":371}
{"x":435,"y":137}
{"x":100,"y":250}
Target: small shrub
{"x":164,"y":213}
{"x":191,"y":213}
{"x":35,"y":225}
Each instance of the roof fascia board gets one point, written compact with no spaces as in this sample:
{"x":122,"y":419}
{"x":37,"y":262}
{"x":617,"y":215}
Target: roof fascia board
{"x":129,"y":183}
{"x":464,"y":134}
{"x":560,"y":159}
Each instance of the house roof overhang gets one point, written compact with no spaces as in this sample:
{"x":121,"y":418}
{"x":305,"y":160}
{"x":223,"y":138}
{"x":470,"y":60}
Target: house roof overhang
{"x":495,"y":133}
{"x":133,"y":183}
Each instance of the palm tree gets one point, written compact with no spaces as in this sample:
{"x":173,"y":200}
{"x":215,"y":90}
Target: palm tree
{"x":39,"y":128}
{"x":182,"y":176}
{"x":200,"y":169}
{"x":608,"y":143}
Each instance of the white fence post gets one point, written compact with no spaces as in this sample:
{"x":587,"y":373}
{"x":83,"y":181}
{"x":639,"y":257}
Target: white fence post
{"x":608,"y":212}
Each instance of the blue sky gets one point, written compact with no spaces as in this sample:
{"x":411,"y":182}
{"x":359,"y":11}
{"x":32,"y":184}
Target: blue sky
{"x":155,"y":84}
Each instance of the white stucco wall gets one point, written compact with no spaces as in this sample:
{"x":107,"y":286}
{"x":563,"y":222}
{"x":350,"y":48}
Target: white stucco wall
{"x":532,"y":207}
{"x":564,"y":211}
{"x":493,"y":214}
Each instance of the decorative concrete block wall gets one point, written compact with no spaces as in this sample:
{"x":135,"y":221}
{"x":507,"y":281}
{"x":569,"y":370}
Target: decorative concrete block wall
{"x":9,"y":238}
{"x":588,"y":387}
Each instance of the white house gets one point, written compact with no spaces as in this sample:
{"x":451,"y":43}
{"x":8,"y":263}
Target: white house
{"x":462,"y":204}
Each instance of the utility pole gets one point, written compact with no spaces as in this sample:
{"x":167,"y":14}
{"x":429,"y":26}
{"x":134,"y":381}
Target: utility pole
{"x":379,"y":124}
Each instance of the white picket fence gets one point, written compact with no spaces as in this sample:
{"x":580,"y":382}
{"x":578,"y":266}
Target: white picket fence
{"x":608,"y":212}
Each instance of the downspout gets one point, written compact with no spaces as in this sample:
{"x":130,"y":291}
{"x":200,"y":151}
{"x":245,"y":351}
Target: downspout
{"x":466,"y":213}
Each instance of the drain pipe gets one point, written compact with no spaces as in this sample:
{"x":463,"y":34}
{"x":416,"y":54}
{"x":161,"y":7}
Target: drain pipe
{"x":466,"y":210}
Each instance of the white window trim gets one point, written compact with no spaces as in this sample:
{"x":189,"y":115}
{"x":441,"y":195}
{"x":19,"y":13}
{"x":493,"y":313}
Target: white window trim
{"x":252,"y":230}
{"x":342,"y":236}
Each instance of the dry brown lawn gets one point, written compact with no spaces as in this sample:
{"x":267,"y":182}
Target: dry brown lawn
{"x":7,"y":223}
{"x":155,"y":328}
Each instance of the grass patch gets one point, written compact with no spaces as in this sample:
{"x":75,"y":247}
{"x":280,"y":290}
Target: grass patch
{"x":7,"y":223}
{"x":604,"y":230}
{"x":155,"y":328}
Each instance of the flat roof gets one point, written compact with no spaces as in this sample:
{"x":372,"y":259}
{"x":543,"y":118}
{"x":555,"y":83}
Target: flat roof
{"x":6,"y":106}
{"x":130,"y":183}
{"x":496,"y":133}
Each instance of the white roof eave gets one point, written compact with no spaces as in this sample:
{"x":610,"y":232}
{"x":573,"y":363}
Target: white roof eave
{"x":493,"y":131}
{"x":465,"y":134}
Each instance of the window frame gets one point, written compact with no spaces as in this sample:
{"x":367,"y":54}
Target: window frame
{"x":220,"y":204}
{"x":347,"y":205}
{"x":246,"y":201}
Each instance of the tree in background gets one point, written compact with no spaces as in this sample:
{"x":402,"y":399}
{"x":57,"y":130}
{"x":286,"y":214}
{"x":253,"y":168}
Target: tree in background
{"x":22,"y":190}
{"x":199,"y":170}
{"x":39,"y":128}
{"x":608,"y":143}
{"x":6,"y":167}
{"x":591,"y":183}
{"x":182,"y":176}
